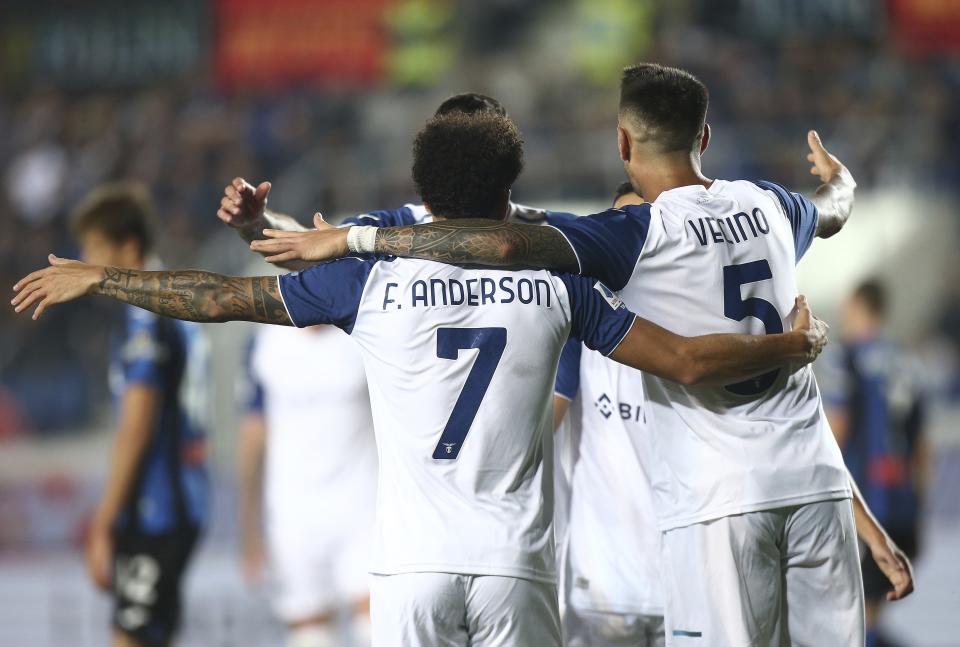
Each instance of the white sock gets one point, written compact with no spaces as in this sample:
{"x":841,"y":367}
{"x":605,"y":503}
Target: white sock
{"x":324,"y":635}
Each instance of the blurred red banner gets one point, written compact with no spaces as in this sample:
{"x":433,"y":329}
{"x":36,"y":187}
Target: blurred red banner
{"x":926,"y":25}
{"x":267,"y":44}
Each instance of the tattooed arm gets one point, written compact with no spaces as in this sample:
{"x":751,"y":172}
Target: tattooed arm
{"x":466,"y":242}
{"x":480,"y":242}
{"x":192,"y":295}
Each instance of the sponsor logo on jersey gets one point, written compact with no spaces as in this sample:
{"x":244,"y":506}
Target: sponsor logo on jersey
{"x":607,"y":407}
{"x":612,"y":299}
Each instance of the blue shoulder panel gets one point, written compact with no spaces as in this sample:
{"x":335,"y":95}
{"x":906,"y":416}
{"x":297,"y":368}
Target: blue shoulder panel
{"x":801,"y":213}
{"x":608,"y":244}
{"x":328,"y":293}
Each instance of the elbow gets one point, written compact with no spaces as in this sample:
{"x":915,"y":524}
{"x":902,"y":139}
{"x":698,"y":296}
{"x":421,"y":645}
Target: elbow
{"x":691,"y":376}
{"x":690,"y":371}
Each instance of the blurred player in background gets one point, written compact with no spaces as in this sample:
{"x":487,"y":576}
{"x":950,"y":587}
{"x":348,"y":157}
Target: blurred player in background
{"x":155,"y":503}
{"x":464,"y":544}
{"x":614,"y":591}
{"x":876,"y":410}
{"x":308,"y":464}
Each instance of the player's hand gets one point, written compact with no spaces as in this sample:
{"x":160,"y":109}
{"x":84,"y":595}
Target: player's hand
{"x":322,"y":244}
{"x":99,"y":556}
{"x":64,"y":280}
{"x":815,"y":329}
{"x":825,"y":165}
{"x":895,"y":564}
{"x":244,"y":206}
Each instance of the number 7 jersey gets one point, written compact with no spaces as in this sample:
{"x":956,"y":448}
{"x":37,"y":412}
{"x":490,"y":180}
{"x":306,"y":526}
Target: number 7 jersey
{"x":719,"y":260}
{"x":461,"y":366}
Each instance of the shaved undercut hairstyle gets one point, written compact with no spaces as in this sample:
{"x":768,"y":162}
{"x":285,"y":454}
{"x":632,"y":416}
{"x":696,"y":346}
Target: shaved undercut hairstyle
{"x":471,"y":103}
{"x":464,"y":164}
{"x":663,"y":106}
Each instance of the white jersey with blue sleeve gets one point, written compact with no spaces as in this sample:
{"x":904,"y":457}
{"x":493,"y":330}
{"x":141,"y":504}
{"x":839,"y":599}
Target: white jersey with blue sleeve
{"x":720,"y":260}
{"x":613,"y":549}
{"x":461,"y":365}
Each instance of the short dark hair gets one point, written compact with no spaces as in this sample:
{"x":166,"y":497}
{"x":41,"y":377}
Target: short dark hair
{"x":463,"y":164}
{"x":668,"y":105}
{"x":471,"y":103}
{"x":622,"y":190}
{"x":121,"y":212}
{"x":872,"y":293}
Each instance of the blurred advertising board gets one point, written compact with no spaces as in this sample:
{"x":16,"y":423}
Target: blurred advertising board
{"x":772,"y":20}
{"x":80,"y":45}
{"x":267,"y":44}
{"x":926,"y":25}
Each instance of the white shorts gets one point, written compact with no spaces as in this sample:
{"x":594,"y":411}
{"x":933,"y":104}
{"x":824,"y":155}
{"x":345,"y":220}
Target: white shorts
{"x":789,"y":576}
{"x":317,"y":566}
{"x":582,"y":628}
{"x":449,"y":610}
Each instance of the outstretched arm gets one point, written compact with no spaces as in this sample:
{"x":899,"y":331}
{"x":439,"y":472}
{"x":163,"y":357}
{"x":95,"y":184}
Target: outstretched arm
{"x":193,"y":295}
{"x":834,"y":198}
{"x":467,"y":242}
{"x":891,"y":560}
{"x":722,"y":358}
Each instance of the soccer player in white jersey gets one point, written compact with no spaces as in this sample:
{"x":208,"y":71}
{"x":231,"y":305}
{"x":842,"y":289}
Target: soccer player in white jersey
{"x":308,"y":469}
{"x":244,"y":208}
{"x":461,"y":364}
{"x":747,"y":478}
{"x":613,"y":588}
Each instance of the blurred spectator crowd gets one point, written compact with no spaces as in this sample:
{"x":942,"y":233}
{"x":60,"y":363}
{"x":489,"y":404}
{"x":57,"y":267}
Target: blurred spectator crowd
{"x":891,"y":116}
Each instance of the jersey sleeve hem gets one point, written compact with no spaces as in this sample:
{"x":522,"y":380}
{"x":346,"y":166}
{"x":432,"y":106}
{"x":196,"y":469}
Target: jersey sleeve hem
{"x":283,"y":300}
{"x":574,"y":249}
{"x":622,"y":337}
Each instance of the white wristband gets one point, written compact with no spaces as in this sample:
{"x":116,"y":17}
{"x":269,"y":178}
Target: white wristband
{"x":361,"y":240}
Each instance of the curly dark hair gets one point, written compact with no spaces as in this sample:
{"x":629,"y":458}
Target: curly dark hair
{"x":464,"y":164}
{"x":471,"y":103}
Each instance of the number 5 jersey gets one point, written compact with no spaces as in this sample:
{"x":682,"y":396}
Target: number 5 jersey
{"x":461,"y":366}
{"x":720,"y":259}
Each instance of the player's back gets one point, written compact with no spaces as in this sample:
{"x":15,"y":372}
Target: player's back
{"x":461,"y":396}
{"x":317,"y":412}
{"x":614,"y":546}
{"x":461,"y":365}
{"x":731,"y":250}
